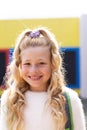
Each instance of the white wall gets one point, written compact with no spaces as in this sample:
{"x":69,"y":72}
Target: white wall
{"x":83,"y":55}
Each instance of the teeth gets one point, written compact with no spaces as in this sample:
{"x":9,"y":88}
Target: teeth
{"x":35,"y":78}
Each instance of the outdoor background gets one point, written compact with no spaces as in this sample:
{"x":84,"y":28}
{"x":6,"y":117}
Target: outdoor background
{"x":66,"y":18}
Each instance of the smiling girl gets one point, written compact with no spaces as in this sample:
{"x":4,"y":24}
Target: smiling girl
{"x":34,"y":97}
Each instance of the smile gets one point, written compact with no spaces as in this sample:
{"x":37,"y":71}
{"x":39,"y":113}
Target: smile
{"x":35,"y":77}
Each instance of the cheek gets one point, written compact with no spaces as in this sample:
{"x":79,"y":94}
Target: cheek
{"x":47,"y":71}
{"x":23,"y":70}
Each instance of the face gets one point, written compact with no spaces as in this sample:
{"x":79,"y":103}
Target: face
{"x":35,"y":67}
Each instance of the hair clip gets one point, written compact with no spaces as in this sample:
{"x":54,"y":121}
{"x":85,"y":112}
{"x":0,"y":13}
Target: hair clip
{"x":34,"y":34}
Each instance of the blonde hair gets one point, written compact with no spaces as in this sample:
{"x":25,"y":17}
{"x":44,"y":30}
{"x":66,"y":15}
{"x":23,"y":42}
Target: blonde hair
{"x":17,"y":86}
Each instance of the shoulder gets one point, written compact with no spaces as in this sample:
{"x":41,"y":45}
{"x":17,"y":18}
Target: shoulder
{"x":77,"y":109}
{"x":3,"y":111}
{"x":74,"y":98}
{"x":70,"y":91}
{"x":4,"y":97}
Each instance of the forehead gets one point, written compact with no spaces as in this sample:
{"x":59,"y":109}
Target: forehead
{"x":38,"y":52}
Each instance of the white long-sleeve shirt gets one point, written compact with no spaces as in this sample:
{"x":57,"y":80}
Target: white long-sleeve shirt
{"x":37,"y":119}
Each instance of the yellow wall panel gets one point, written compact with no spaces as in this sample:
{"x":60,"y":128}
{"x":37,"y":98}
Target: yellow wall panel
{"x":65,"y":29}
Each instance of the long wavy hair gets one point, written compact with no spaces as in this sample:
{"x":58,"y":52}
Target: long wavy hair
{"x":17,"y":87}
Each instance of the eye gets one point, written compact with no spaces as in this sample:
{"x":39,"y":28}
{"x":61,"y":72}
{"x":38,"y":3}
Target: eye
{"x":42,"y":63}
{"x":27,"y":64}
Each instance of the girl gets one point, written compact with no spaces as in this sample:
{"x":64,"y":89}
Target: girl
{"x":35,"y":83}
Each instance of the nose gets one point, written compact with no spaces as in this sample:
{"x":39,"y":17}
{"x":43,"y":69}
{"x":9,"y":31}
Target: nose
{"x":34,"y":69}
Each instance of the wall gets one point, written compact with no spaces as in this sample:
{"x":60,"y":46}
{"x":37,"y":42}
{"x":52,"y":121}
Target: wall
{"x":66,"y":31}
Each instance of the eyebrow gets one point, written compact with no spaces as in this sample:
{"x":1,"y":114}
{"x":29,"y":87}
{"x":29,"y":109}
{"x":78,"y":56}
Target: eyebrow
{"x":27,"y":60}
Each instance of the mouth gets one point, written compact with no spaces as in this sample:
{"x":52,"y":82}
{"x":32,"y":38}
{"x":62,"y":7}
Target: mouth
{"x":35,"y":77}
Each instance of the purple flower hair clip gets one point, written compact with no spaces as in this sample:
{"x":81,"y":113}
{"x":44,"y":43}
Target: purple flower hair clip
{"x":34,"y":34}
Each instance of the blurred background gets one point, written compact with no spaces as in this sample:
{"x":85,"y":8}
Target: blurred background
{"x":66,"y":19}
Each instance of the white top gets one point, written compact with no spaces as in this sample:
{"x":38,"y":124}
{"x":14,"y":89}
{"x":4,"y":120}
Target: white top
{"x":37,"y":118}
